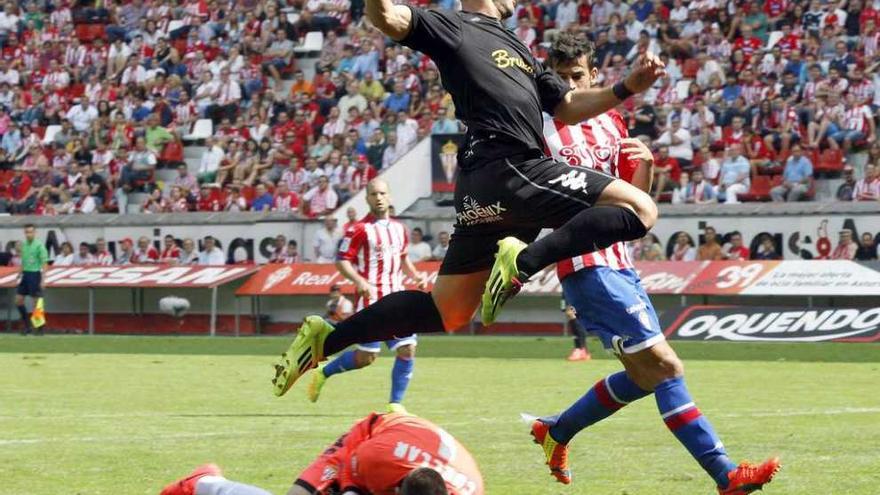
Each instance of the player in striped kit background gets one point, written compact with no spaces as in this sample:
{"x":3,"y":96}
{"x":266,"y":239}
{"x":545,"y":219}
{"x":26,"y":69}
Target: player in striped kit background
{"x":373,"y":255}
{"x":610,"y":301}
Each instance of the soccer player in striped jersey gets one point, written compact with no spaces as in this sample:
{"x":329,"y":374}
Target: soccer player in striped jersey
{"x":610,"y":301}
{"x":373,"y":255}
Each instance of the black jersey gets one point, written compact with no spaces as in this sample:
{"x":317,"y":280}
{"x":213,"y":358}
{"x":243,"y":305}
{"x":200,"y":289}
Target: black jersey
{"x":497,"y":85}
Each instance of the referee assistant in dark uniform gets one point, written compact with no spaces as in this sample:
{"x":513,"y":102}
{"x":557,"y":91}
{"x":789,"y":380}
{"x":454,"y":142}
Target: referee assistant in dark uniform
{"x":34,"y":259}
{"x":506,"y":187}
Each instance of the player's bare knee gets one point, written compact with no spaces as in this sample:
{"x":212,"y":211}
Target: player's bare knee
{"x":645,"y":208}
{"x":364,"y":358}
{"x":406,"y":351}
{"x":453,"y":320}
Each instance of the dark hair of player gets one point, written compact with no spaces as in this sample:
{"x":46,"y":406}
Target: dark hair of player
{"x":29,"y":226}
{"x":568,"y":48}
{"x":423,"y":481}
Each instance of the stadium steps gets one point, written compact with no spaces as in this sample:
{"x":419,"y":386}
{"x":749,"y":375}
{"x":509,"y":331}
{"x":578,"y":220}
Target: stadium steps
{"x":193,"y":152}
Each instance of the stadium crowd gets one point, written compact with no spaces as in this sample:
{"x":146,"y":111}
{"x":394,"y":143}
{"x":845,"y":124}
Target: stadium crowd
{"x":760,"y":98}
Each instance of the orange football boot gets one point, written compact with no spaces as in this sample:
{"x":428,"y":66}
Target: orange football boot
{"x":555,"y":452}
{"x":747,"y":477}
{"x":187,"y":486}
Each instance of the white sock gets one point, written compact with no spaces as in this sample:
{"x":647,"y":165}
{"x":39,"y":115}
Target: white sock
{"x":218,"y":485}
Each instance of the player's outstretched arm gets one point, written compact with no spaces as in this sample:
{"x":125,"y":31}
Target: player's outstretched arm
{"x":581,"y":104}
{"x":393,"y":20}
{"x":643,"y":176}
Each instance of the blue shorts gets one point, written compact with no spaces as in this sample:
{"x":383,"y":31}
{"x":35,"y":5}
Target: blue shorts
{"x":613,"y":306}
{"x":30,"y":284}
{"x":392,"y":344}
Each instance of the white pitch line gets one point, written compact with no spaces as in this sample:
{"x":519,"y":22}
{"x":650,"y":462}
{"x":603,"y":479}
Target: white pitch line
{"x":129,"y":439}
{"x":814,"y":412}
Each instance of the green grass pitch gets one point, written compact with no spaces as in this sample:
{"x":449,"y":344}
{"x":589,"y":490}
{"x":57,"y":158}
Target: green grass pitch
{"x":125,"y":415}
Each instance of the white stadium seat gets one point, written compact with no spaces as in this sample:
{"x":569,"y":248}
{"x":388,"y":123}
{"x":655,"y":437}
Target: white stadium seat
{"x":313,"y":42}
{"x":202,"y":129}
{"x":51,"y":131}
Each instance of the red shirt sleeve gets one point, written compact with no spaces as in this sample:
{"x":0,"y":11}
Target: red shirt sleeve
{"x":352,"y":241}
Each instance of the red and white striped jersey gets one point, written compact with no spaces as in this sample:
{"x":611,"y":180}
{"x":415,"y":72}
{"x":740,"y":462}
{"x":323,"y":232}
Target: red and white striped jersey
{"x":104,"y":258}
{"x":864,"y":91}
{"x":856,"y":118}
{"x":595,"y":144}
{"x":754,"y":93}
{"x":870,"y":43}
{"x":376,"y":248}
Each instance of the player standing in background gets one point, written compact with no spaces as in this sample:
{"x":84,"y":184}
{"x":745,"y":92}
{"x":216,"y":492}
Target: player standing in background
{"x":373,"y":255}
{"x":607,"y":294}
{"x":382,"y":454}
{"x":580,"y":351}
{"x":34,"y":260}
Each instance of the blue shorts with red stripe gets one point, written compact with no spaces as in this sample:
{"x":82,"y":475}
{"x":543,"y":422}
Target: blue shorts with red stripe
{"x":613,"y":306}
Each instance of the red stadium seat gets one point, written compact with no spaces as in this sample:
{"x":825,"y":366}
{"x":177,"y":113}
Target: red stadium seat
{"x":247,"y":192}
{"x":830,"y":162}
{"x":760,"y":190}
{"x":76,"y":90}
{"x":172,"y":153}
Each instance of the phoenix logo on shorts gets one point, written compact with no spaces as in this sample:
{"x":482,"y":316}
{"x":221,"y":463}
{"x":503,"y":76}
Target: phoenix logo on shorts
{"x":573,"y":180}
{"x":473,"y":213}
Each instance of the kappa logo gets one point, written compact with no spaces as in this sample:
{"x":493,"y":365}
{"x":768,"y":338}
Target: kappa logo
{"x":472,"y":213}
{"x":276,"y":277}
{"x":574,"y":180}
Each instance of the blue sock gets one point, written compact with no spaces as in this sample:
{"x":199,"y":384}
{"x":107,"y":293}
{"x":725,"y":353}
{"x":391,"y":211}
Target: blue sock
{"x":607,"y":396}
{"x":401,"y":374}
{"x":693,"y":430}
{"x":345,"y":362}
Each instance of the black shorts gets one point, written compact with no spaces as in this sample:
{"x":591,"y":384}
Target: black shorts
{"x":30,"y":284}
{"x":514,"y":196}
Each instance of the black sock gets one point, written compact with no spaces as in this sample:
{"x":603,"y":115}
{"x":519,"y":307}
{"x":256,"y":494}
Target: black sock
{"x":579,"y":342}
{"x":397,"y":315}
{"x":590,"y":230}
{"x":24,"y":316}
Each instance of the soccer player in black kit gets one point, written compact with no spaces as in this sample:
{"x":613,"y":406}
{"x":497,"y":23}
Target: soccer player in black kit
{"x":506,"y":190}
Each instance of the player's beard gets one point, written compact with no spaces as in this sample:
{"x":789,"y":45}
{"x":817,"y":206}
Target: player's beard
{"x":505,"y":8}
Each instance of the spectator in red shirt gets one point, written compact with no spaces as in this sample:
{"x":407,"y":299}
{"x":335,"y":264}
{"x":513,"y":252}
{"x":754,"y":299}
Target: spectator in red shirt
{"x":21,"y":198}
{"x":170,"y":251}
{"x":735,"y":251}
{"x":145,"y":252}
{"x":209,"y":198}
{"x":666,"y":172}
{"x":285,"y":200}
{"x":748,"y":43}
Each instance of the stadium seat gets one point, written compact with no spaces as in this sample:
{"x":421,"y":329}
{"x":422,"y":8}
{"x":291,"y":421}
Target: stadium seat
{"x":51,"y":131}
{"x":174,"y":26}
{"x":202,"y":129}
{"x":830,"y":162}
{"x":313,"y":42}
{"x":172,"y":154}
{"x":760,"y":189}
{"x":682,"y":87}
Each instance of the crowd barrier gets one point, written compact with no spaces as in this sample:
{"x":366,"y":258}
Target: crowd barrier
{"x":748,"y":298}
